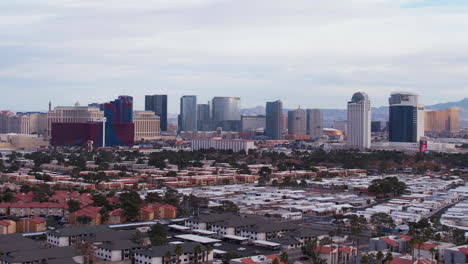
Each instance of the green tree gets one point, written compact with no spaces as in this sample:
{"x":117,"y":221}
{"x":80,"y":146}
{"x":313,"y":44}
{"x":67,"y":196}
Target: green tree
{"x":275,"y":261}
{"x":208,"y":249}
{"x":157,"y":235}
{"x":130,"y":209}
{"x":153,"y":197}
{"x":432,"y":251}
{"x":389,"y":257}
{"x":171,"y":174}
{"x":138,"y":238}
{"x":197,"y":250}
{"x":157,"y":162}
{"x":365,"y":259}
{"x":73,"y":205}
{"x":382,"y":220}
{"x":99,"y":200}
{"x":167,"y":258}
{"x":284,"y":257}
{"x":380,"y":257}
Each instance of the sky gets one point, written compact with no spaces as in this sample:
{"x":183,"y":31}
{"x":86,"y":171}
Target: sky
{"x":308,"y":53}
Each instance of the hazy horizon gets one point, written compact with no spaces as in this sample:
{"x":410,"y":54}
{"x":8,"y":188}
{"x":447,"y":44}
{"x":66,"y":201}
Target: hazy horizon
{"x":315,"y":54}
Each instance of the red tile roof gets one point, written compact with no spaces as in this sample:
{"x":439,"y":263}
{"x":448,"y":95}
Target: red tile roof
{"x":405,"y":237}
{"x":37,"y":220}
{"x":346,"y":250}
{"x":389,"y":241}
{"x":5,"y":223}
{"x":116,"y":212}
{"x":90,"y":211}
{"x":464,"y":250}
{"x":273,"y":257}
{"x":324,"y":249}
{"x":247,"y":261}
{"x":426,"y":246}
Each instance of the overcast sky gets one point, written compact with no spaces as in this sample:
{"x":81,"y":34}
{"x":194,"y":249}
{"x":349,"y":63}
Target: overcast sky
{"x":312,"y":53}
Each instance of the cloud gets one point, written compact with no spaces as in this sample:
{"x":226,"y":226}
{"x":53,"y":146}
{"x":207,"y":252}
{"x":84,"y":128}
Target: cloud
{"x":308,"y":53}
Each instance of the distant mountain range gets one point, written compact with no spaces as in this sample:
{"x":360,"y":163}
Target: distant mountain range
{"x":378,"y":113}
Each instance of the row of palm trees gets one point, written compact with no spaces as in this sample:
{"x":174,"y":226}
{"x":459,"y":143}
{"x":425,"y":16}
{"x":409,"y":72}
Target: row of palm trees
{"x":168,"y":258}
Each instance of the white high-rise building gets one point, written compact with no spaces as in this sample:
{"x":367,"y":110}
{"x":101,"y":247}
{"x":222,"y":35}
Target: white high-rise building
{"x":359,"y":121}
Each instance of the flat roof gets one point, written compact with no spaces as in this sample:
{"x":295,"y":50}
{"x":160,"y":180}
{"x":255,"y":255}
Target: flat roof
{"x":199,"y":239}
{"x":179,"y":227}
{"x":203,"y":232}
{"x":266,"y":243}
{"x":217,"y":251}
{"x":235,"y":237}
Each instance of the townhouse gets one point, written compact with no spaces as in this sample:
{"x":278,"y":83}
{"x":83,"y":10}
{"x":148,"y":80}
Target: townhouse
{"x":456,"y":255}
{"x":191,"y":253}
{"x":396,"y":244}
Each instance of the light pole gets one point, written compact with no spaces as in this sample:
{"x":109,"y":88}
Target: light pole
{"x":104,"y":120}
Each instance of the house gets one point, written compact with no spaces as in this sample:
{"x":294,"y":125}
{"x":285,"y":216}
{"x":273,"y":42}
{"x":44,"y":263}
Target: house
{"x":232,"y":225}
{"x":266,"y":231}
{"x":119,"y":250}
{"x":409,"y":260}
{"x":205,"y":221}
{"x":91,"y":213}
{"x":21,"y":209}
{"x":159,"y":254}
{"x":306,"y":235}
{"x":395,"y":244}
{"x":456,"y":255}
{"x":433,"y":250}
{"x":69,"y":236}
{"x":153,"y":211}
{"x":334,"y":254}
{"x":7,"y":227}
{"x":116,"y":217}
{"x":41,"y":255}
{"x":33,"y":224}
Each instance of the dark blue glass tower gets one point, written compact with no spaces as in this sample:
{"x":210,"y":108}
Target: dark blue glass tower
{"x":119,"y":124}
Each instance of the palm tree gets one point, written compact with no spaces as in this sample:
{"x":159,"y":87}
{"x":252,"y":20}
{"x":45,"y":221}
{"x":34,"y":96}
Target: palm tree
{"x":178,"y":250}
{"x":365,"y":259}
{"x":433,"y":251}
{"x":420,"y":243}
{"x":284,"y":257}
{"x":197,"y":250}
{"x":389,"y":257}
{"x":380,"y":257}
{"x":208,"y":249}
{"x":167,"y":257}
{"x":413,"y":242}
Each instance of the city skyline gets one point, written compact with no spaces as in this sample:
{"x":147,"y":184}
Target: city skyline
{"x":297,"y":53}
{"x":140,"y":103}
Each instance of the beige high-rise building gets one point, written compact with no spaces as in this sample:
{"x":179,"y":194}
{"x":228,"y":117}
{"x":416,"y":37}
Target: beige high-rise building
{"x":23,"y":123}
{"x":20,"y":124}
{"x":297,"y":122}
{"x":442,"y":120}
{"x":5,"y":117}
{"x":147,"y":125}
{"x":73,"y":114}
